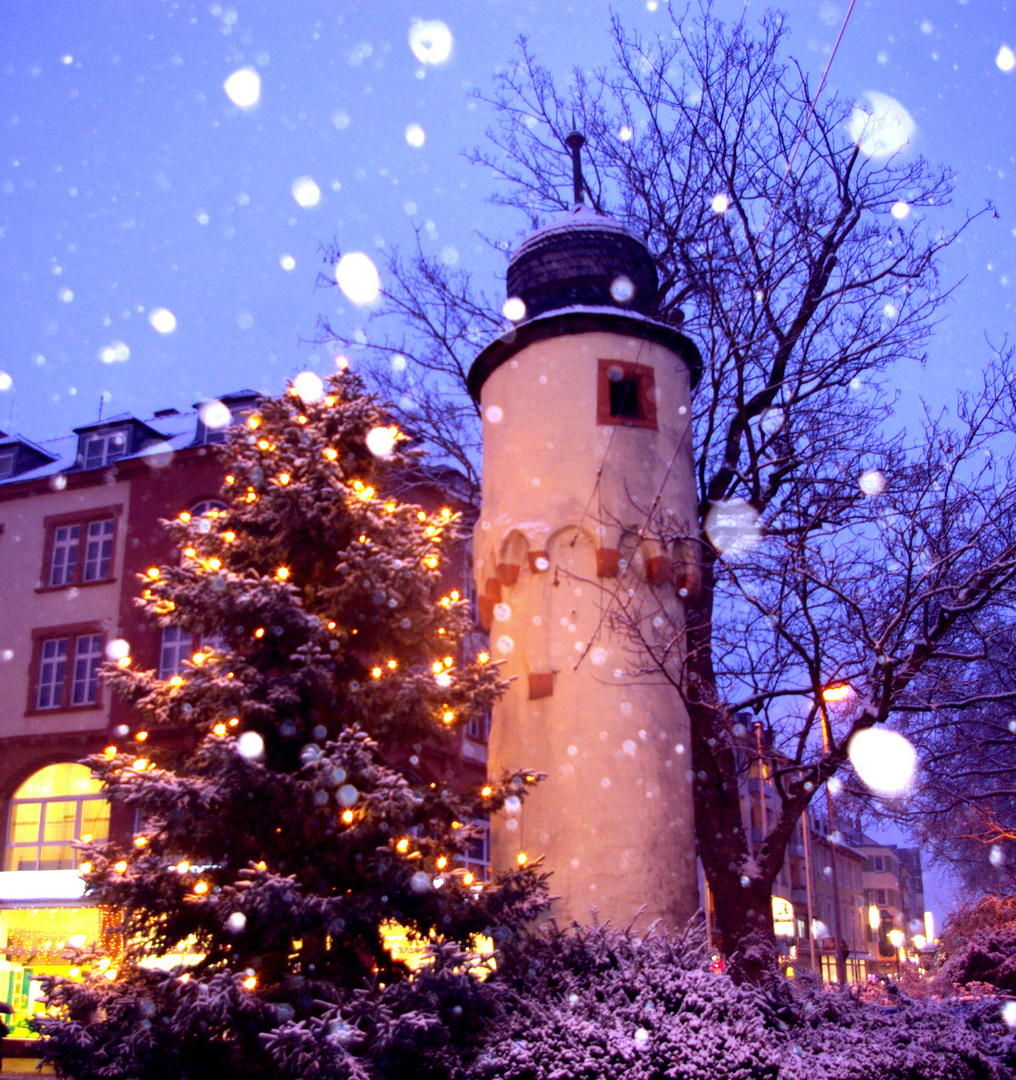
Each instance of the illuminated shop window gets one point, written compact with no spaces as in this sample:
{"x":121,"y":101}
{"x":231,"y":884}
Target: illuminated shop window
{"x":53,"y":808}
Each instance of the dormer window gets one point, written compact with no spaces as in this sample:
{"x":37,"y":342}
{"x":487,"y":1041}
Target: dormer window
{"x":103,"y":447}
{"x":215,"y":417}
{"x":626,"y":394}
{"x":18,"y":455}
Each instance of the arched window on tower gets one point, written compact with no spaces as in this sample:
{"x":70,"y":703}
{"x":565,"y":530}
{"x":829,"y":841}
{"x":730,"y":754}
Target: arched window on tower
{"x":54,"y":807}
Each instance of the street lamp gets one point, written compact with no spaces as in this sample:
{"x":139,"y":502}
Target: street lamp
{"x":896,"y":939}
{"x":831,"y":695}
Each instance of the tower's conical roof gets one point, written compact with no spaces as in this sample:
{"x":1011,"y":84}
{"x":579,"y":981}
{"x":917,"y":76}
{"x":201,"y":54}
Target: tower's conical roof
{"x":581,"y":273}
{"x":584,"y":259}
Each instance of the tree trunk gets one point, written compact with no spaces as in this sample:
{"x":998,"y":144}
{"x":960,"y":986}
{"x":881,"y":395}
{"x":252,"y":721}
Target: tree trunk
{"x":740,"y":886}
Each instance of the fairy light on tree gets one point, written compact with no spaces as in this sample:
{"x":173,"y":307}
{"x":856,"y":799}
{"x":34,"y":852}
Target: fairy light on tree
{"x":283,"y":838}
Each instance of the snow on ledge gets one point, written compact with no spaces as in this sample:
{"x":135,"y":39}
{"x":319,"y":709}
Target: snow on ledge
{"x":40,"y":886}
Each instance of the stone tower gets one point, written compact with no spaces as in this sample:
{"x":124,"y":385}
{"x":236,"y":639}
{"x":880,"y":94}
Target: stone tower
{"x":586,"y":542}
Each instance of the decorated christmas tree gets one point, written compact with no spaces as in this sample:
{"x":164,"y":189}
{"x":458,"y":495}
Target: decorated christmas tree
{"x":285,"y":831}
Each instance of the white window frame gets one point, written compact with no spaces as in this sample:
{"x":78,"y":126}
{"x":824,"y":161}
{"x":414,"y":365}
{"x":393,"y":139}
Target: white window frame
{"x":39,"y":844}
{"x":102,"y":447}
{"x":208,"y":507}
{"x":85,"y":678}
{"x":99,"y":537}
{"x":478,"y":728}
{"x":478,"y":861}
{"x":53,"y":657}
{"x":176,"y":646}
{"x":63,"y":560}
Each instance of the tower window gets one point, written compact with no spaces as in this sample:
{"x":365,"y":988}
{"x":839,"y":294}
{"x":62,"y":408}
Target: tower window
{"x":624,"y":398}
{"x":626,"y":394}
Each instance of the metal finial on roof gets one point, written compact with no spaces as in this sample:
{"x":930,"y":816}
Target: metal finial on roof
{"x":575,"y":140}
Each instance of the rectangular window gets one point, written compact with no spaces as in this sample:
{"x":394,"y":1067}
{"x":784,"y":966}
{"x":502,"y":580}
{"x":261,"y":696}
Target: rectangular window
{"x":626,"y":394}
{"x":477,"y":856}
{"x":65,"y":665}
{"x":64,"y":562}
{"x":87,"y":657}
{"x":102,"y":448}
{"x":99,"y":550}
{"x":177,"y":645}
{"x":79,"y":548}
{"x":6,"y":464}
{"x":52,"y":673}
{"x":478,"y":728}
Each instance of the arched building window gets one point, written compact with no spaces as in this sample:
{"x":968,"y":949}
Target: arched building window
{"x":207,"y":508}
{"x":54,"y":807}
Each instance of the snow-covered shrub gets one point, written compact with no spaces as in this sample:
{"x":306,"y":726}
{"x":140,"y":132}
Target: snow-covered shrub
{"x":837,"y":1036}
{"x":979,"y":946}
{"x":595,"y":1003}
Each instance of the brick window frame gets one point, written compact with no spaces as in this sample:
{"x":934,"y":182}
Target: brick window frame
{"x":640,"y":411}
{"x":83,"y":519}
{"x":77,"y":636}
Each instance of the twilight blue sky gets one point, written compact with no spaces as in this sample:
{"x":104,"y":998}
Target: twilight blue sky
{"x":130,"y":182}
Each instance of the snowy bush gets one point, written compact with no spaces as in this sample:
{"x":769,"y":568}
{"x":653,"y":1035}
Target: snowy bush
{"x":839,"y":1037}
{"x":595,"y":1004}
{"x":979,"y":945}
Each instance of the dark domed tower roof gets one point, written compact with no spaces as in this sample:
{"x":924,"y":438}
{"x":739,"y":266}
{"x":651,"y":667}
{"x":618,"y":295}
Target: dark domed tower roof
{"x":585,"y":259}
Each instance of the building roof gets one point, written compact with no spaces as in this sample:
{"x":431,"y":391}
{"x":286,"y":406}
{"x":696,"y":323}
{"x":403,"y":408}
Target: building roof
{"x":582,"y":257}
{"x":163,"y":435}
{"x":581,"y":272}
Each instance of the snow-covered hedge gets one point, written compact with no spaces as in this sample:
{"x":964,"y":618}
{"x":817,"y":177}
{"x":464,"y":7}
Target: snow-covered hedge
{"x":597,"y":1004}
{"x":589,"y":1004}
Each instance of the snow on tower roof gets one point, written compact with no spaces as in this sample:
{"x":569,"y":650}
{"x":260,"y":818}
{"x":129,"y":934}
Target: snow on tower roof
{"x":582,"y":258}
{"x":576,"y":217}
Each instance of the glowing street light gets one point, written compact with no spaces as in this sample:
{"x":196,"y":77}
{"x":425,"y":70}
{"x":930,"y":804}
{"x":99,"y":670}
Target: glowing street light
{"x":896,"y":939}
{"x":837,"y":692}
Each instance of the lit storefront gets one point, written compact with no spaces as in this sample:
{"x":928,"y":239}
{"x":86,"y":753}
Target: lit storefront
{"x":42,"y":914}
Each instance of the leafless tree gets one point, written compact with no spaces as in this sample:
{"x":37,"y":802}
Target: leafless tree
{"x":964,"y":809}
{"x":836,"y":546}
